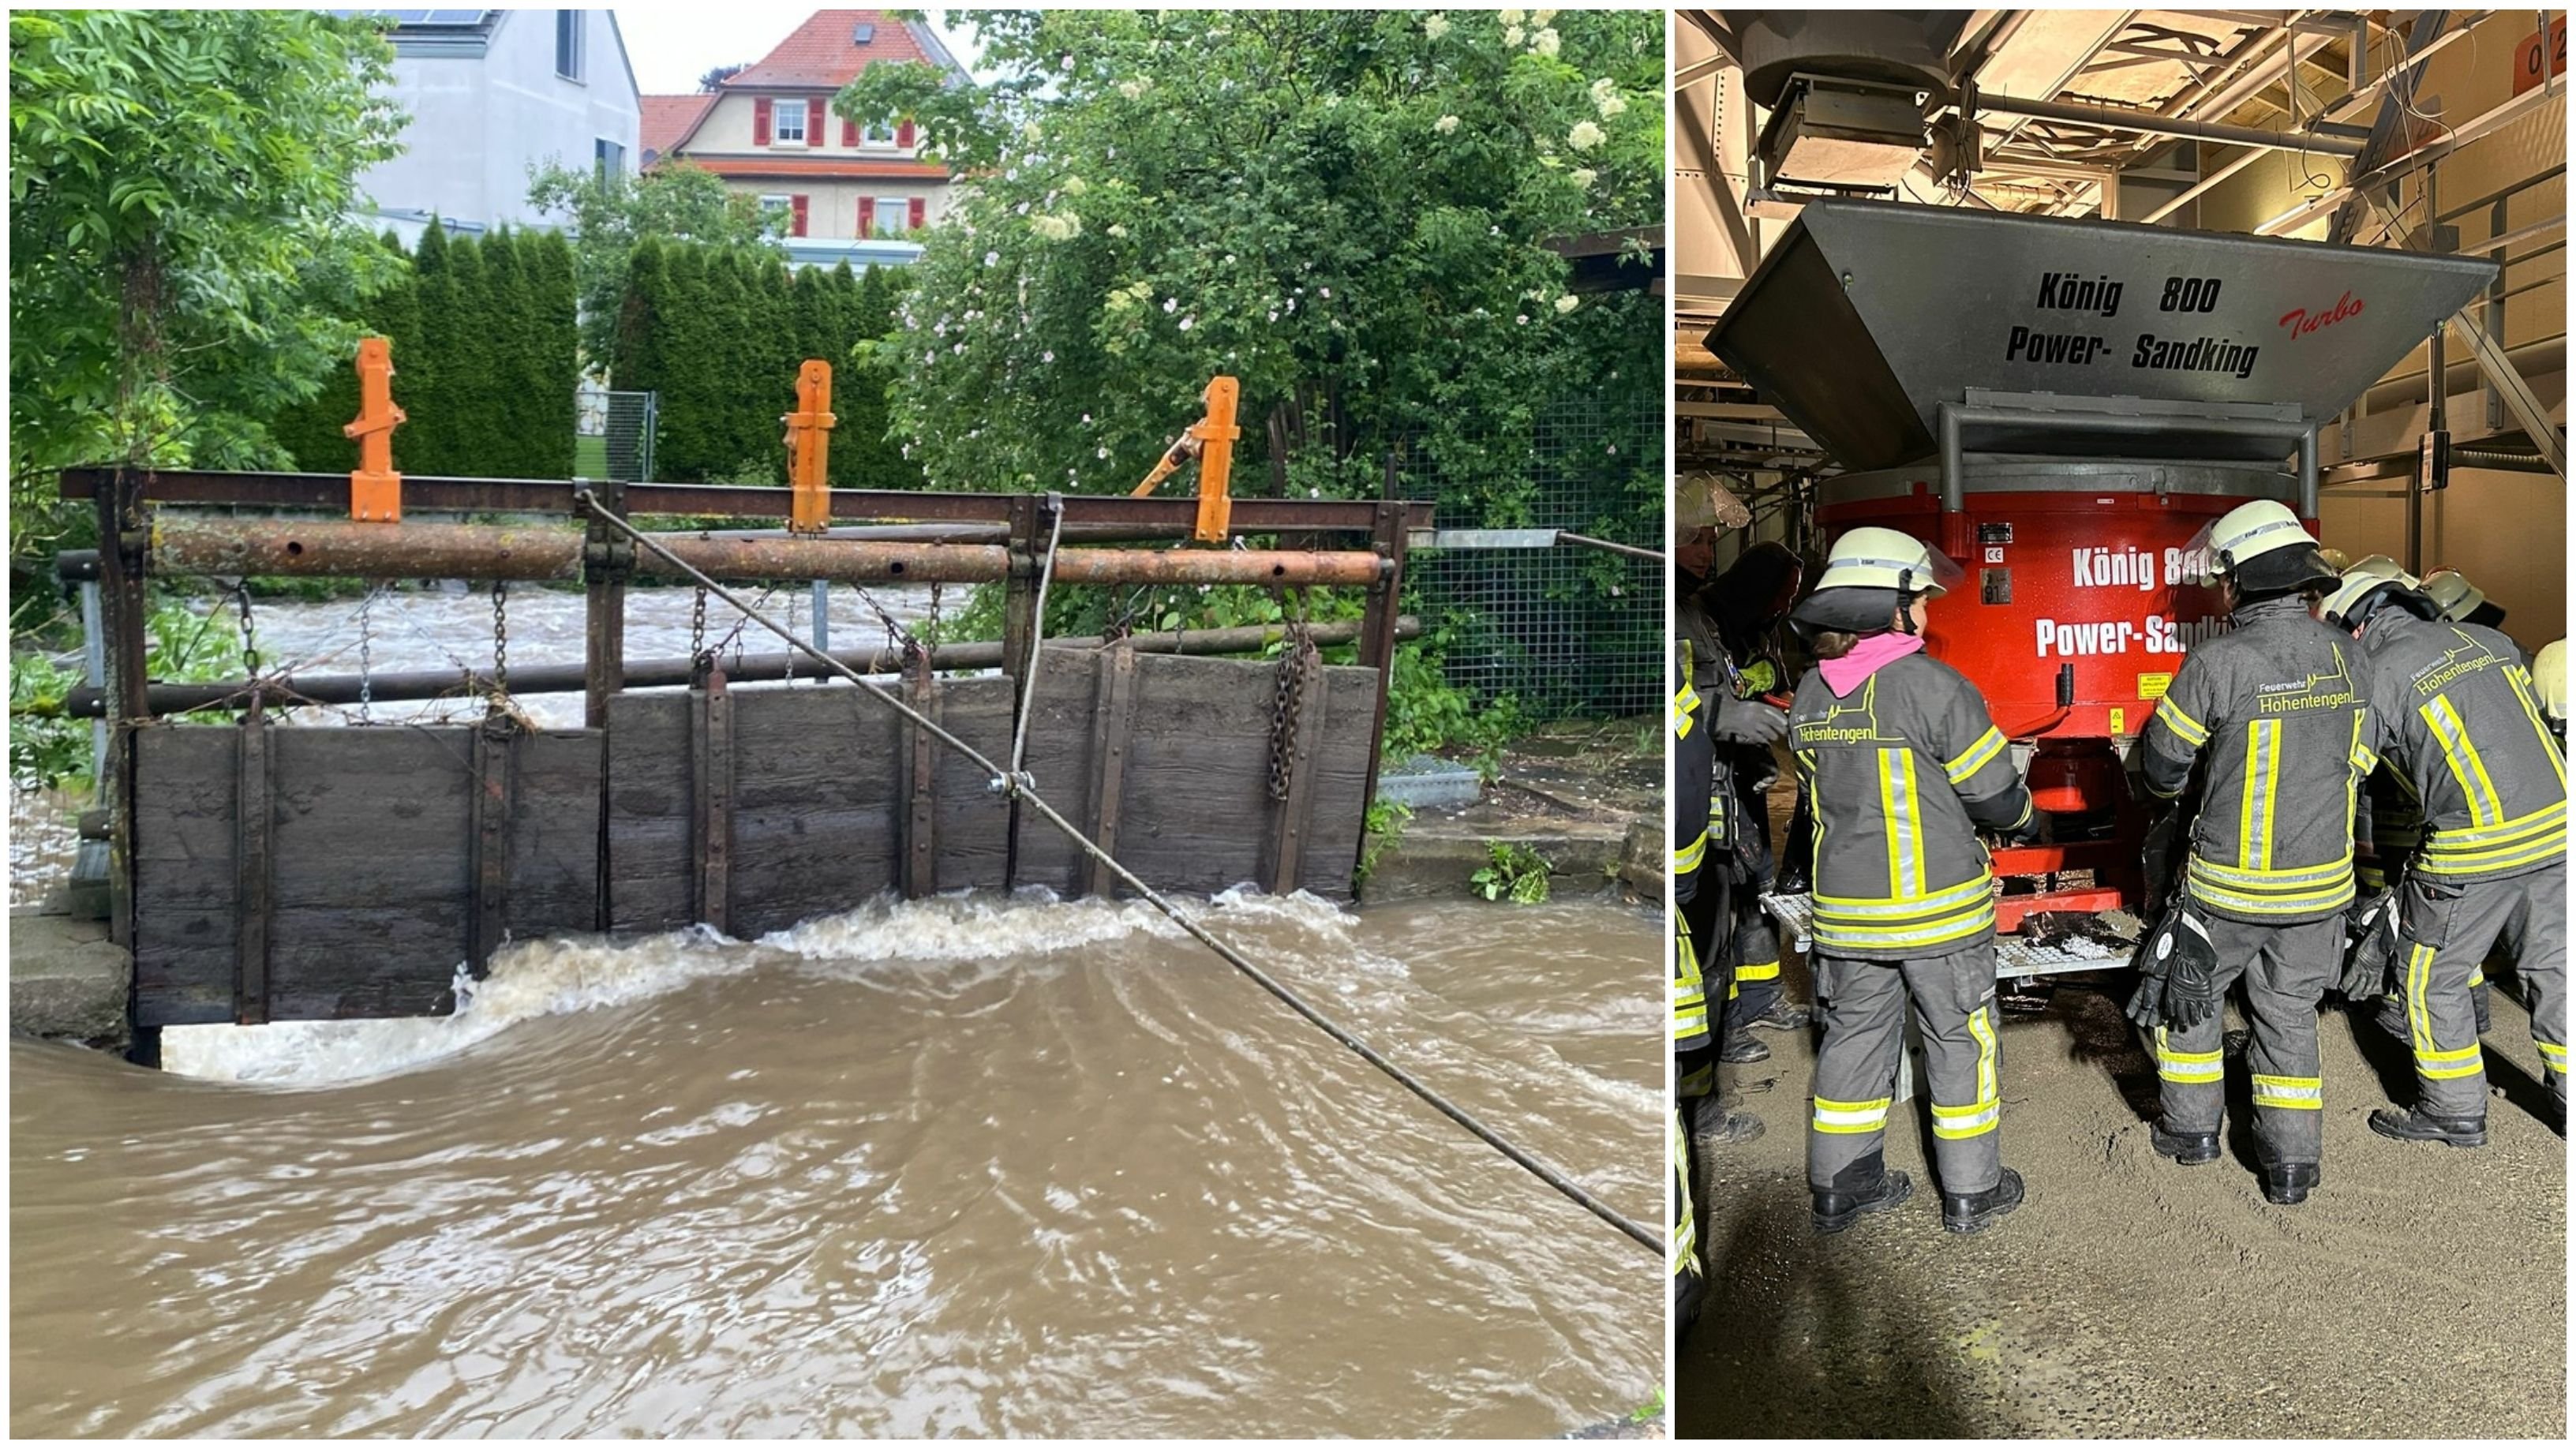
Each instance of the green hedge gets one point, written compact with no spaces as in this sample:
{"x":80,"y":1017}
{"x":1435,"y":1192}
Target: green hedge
{"x":718,"y":333}
{"x":486,"y":361}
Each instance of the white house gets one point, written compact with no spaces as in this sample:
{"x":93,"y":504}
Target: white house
{"x":846,"y":193}
{"x":491,"y":93}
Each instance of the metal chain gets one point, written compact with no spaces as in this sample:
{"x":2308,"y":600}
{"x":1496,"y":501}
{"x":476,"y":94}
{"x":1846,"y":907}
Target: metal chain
{"x":249,"y":631}
{"x":698,"y":626}
{"x":501,"y":638}
{"x":1288,"y":698}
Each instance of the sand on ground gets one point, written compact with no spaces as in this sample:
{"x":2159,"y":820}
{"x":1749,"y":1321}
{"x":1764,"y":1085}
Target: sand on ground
{"x":2421,"y":1292}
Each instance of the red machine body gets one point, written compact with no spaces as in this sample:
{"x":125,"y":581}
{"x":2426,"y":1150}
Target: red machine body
{"x":2072,"y":620}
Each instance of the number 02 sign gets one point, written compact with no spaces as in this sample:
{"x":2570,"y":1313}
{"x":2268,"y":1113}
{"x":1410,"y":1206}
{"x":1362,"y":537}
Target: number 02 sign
{"x":2543,"y":55}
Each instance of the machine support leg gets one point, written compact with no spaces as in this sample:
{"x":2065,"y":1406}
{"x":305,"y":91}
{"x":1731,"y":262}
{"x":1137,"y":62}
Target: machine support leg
{"x":1377,"y":626}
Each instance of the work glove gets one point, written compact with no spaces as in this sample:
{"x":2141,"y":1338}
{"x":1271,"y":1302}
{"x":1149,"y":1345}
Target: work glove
{"x":2370,"y":943}
{"x":1749,"y":722}
{"x":2026,"y":833}
{"x":2178,"y":974}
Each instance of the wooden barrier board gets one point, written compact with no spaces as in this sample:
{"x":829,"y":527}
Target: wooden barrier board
{"x":285,"y":872}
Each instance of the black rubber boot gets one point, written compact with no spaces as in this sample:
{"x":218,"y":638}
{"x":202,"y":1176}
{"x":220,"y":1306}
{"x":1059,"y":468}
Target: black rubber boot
{"x":2418,"y":1126}
{"x":1781,"y":1016}
{"x":1714,"y":1125}
{"x":2289,"y":1183}
{"x":1865,"y":1186}
{"x":1974,"y":1212}
{"x":2191,"y":1149}
{"x":1741,"y":1048}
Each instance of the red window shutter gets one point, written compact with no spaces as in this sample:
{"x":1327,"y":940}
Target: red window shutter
{"x":917,"y":207}
{"x":867,"y":216}
{"x":796,"y":218}
{"x":903,"y":135}
{"x":849,"y":132}
{"x":760,"y":120}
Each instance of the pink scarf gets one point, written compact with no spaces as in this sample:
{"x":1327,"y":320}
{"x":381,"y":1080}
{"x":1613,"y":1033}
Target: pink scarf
{"x":1866,"y":658}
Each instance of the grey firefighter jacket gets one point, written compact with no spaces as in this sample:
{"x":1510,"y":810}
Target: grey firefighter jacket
{"x":1900,"y":774}
{"x":2279,"y":705}
{"x":2455,"y":712}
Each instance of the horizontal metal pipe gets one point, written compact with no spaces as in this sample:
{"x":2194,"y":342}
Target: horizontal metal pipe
{"x":336,"y":548}
{"x":89,"y":702}
{"x":838,"y":561}
{"x":1609,"y":546}
{"x":2531,"y":359}
{"x":2149,"y":123}
{"x":1276,"y":568}
{"x":339,"y":548}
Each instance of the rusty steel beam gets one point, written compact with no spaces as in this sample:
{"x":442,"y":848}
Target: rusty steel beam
{"x":330,"y":492}
{"x":1271,"y":567}
{"x":89,"y":701}
{"x":479,"y":551}
{"x":840,"y":561}
{"x":339,"y":548}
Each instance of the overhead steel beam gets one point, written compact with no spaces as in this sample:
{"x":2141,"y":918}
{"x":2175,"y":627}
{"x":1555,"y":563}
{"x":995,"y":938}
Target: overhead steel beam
{"x":2517,"y":394}
{"x":2112,"y":118}
{"x":2084,"y":57}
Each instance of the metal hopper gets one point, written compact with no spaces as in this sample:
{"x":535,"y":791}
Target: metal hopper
{"x":2070,"y":337}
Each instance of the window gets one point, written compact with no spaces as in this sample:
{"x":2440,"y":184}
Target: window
{"x":608,"y":158}
{"x":568,"y":44}
{"x":790,"y":123}
{"x":877,"y":133}
{"x":894,"y":215}
{"x":779,"y":211}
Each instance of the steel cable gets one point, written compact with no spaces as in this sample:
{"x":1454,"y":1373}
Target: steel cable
{"x":1018,"y":786}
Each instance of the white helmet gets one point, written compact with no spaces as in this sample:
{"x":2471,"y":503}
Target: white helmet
{"x":2549,"y":680}
{"x":2453,"y":594}
{"x":2381,"y":565}
{"x":2361,"y":591}
{"x":2263,"y":547}
{"x":1882,"y":558}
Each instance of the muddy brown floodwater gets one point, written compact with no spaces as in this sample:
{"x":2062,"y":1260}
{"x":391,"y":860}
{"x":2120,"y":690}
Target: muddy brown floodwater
{"x":951,"y":1167}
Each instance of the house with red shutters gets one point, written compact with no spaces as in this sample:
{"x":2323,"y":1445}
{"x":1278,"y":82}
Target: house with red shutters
{"x":848,"y":192}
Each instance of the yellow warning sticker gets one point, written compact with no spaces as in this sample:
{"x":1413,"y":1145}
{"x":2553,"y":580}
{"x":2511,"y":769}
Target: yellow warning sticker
{"x":2153,"y":686}
{"x":2119,"y":721}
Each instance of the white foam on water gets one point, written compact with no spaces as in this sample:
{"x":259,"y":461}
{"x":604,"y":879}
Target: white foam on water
{"x":536,"y":979}
{"x":529,"y":980}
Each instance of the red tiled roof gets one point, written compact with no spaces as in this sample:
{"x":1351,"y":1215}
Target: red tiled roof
{"x":748,"y":167}
{"x":669,"y":118}
{"x":823,"y":51}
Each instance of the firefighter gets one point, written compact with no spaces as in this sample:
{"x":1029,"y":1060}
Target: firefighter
{"x":2462,"y":720}
{"x":2275,"y":715}
{"x":1902,"y":766}
{"x":1743,"y":607}
{"x":2462,"y":602}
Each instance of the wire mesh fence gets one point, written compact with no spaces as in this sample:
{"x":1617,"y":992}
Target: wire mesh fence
{"x":1563,"y":629}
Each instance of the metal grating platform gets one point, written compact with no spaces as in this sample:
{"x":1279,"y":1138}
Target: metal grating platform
{"x":2015,"y":956}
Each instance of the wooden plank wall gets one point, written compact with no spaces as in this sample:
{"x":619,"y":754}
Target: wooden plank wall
{"x":378,"y":857}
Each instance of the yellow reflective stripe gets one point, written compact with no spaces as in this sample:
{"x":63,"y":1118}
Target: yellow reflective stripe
{"x":2190,"y":731}
{"x":1888,"y":938}
{"x":2304,"y":1093}
{"x":1971,"y":1121}
{"x":2442,"y":1066}
{"x":1975,"y":757}
{"x":1698,"y":1082}
{"x":2180,"y":1066}
{"x":1832,"y":1116}
{"x":2486,"y":807}
{"x":1904,"y":825}
{"x":2478,"y":976}
{"x":2553,"y":1055}
{"x":1981,"y":1025}
{"x":2232,"y":894}
{"x":1685,"y":706}
{"x":1758,"y":971}
{"x":2286,"y":878}
{"x":2262,"y":792}
{"x":2529,"y":698}
{"x":2508,"y":832}
{"x":1687,"y":858}
{"x":1688,"y":1024}
{"x":2419,"y":1012}
{"x":1961,"y":894}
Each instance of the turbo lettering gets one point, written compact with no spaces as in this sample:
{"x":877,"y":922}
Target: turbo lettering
{"x":2300,"y":321}
{"x":2074,"y":348}
{"x":2105,"y":568}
